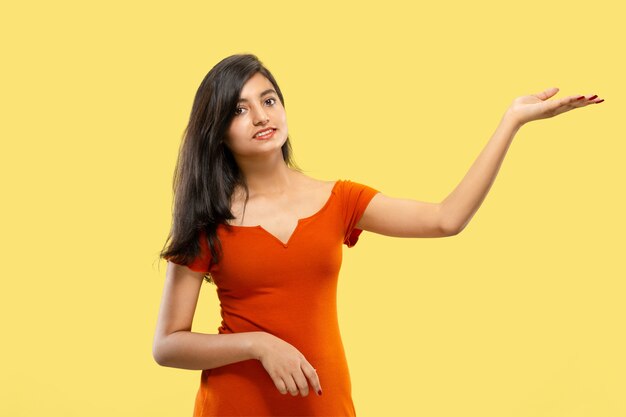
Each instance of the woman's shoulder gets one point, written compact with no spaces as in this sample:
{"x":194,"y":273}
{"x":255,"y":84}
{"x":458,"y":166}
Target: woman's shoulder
{"x":308,"y":183}
{"x":315,"y":190}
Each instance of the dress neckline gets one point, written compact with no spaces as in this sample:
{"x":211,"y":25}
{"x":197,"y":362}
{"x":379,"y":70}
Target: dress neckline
{"x":299,"y":221}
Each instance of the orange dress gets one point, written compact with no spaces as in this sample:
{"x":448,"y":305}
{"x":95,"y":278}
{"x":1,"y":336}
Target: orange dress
{"x":287,"y":289}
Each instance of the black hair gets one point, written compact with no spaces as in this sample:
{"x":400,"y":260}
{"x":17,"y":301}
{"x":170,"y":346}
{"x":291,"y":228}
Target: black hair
{"x":206,"y":172}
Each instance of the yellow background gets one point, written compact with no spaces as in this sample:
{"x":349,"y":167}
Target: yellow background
{"x":522,"y":314}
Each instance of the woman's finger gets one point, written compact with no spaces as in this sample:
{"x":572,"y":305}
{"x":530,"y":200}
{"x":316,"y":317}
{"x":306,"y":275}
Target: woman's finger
{"x":570,"y":103}
{"x":312,"y":376}
{"x":292,"y":387}
{"x":594,"y":99}
{"x":301,"y":383}
{"x":546,"y":94}
{"x":280,"y":385}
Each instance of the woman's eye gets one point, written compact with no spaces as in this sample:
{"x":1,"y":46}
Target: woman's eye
{"x":241,"y":108}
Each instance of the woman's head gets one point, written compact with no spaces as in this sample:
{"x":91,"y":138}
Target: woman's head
{"x":258,"y":109}
{"x":214,"y":114}
{"x":216,"y":137}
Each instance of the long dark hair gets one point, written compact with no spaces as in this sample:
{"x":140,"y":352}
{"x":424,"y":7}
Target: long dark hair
{"x":206,"y":172}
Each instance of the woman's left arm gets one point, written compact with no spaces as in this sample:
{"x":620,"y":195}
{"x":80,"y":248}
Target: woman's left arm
{"x":411,"y":218}
{"x":461,"y":205}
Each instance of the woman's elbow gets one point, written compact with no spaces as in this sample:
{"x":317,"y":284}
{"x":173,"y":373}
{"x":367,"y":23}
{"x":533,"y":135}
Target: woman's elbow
{"x":451,"y":228}
{"x":453,"y":231}
{"x":159,"y":352}
{"x":447,"y":229}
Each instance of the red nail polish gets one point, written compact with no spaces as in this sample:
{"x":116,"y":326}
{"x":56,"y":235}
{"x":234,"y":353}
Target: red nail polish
{"x":599,"y":101}
{"x":580,"y":98}
{"x":319,"y":392}
{"x":592,"y":97}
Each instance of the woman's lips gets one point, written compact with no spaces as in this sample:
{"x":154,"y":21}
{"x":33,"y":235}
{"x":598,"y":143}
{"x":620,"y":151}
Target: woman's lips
{"x":265,"y":137}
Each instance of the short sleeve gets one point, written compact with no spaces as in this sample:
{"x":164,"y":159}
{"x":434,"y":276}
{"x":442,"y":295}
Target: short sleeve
{"x":200,"y":263}
{"x":355,"y":197}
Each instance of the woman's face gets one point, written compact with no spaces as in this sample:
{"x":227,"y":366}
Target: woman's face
{"x":259,"y":109}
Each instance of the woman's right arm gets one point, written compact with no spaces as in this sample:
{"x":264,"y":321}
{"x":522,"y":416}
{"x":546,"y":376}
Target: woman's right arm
{"x":175,"y":345}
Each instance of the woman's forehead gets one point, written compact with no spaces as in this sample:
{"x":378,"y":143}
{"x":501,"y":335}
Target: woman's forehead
{"x":256,"y":86}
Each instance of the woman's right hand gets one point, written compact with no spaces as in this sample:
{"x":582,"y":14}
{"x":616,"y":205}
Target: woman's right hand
{"x":287,"y":367}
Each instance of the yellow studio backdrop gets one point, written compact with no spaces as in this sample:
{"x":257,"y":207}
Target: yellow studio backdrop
{"x":522,"y":314}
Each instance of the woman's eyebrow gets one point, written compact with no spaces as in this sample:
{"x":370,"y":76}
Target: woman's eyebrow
{"x":270,"y":90}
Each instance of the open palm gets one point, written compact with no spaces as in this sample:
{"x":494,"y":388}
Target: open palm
{"x":537,"y":106}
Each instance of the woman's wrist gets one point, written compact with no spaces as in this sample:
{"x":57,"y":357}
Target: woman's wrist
{"x":256,"y":341}
{"x":512,"y":118}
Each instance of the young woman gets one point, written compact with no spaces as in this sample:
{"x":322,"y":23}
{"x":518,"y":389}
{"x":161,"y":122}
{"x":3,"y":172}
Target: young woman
{"x":270,"y":238}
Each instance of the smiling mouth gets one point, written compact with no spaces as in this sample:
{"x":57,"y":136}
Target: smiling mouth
{"x":267,"y":134}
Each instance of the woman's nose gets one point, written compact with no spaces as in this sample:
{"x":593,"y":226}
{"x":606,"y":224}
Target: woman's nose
{"x":260,"y":116}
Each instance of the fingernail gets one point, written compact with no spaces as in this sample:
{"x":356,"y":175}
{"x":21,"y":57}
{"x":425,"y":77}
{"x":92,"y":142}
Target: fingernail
{"x":580,"y":98}
{"x":599,"y":101}
{"x":319,"y":392}
{"x":592,"y":97}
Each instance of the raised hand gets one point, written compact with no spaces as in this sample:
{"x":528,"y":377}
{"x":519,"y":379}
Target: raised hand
{"x":537,"y":106}
{"x":287,"y":367}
